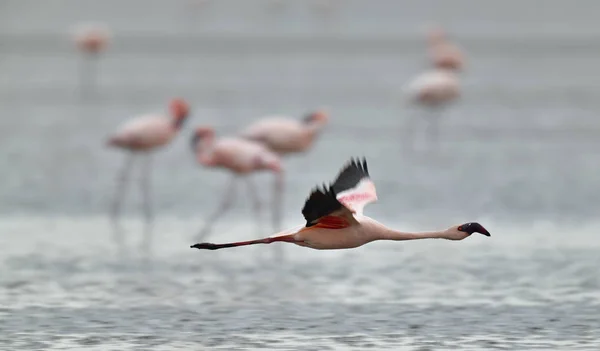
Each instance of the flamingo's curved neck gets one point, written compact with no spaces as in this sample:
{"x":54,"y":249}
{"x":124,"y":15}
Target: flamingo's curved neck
{"x":204,"y":149}
{"x":178,"y":122}
{"x":314,"y":127}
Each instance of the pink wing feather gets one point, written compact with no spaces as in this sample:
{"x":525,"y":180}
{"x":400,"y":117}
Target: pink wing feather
{"x":357,"y":198}
{"x":354,"y":188}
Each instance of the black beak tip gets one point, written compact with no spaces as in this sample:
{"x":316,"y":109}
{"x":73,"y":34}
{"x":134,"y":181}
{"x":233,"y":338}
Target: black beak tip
{"x":474,"y":227}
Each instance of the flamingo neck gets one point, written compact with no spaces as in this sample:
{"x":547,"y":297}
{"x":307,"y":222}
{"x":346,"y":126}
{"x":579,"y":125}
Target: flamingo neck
{"x":396,"y":235}
{"x":178,"y":122}
{"x":314,"y":127}
{"x":204,"y":150}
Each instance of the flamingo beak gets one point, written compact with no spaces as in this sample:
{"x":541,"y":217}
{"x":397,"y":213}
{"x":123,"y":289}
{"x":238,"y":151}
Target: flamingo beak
{"x":473,"y":227}
{"x":194,"y":141}
{"x":308,"y":118}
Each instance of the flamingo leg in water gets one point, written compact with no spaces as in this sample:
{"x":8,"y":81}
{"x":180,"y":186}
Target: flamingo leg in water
{"x":278,"y":202}
{"x":410,"y":130}
{"x":277,"y":210}
{"x":256,"y":205}
{"x":115,"y":208}
{"x":147,"y":202}
{"x":87,"y":74}
{"x":433,"y":128}
{"x":224,"y":206}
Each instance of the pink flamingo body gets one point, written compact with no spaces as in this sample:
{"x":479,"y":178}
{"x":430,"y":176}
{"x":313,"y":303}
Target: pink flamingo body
{"x":286,"y":136}
{"x":239,"y":156}
{"x":143,"y":135}
{"x":434,"y":88}
{"x":335,"y":220}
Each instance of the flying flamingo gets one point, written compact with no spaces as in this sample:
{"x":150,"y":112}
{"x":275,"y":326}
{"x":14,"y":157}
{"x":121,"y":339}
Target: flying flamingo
{"x":442,"y":52}
{"x":141,"y":136}
{"x":335,"y":220}
{"x":91,"y":39}
{"x":240,"y":156}
{"x":286,"y":136}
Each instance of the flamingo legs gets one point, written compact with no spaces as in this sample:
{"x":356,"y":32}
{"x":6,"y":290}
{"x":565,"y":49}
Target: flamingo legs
{"x":256,"y":205}
{"x":278,"y":201}
{"x":123,"y":181}
{"x":229,"y":197}
{"x":431,"y":116}
{"x":277,"y":208}
{"x":115,"y":209}
{"x":433,"y":129}
{"x":88,"y":73}
{"x":147,"y":202}
{"x":223,"y":208}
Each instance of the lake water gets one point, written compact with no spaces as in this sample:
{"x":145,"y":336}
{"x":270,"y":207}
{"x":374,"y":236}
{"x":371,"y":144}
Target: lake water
{"x":519,"y":153}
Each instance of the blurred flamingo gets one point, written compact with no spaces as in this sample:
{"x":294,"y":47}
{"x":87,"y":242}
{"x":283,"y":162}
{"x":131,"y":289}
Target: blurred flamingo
{"x":91,"y":39}
{"x":334,"y":218}
{"x":442,"y":52}
{"x":285,"y":136}
{"x":142,"y":136}
{"x":239,"y":156}
{"x":433,"y":91}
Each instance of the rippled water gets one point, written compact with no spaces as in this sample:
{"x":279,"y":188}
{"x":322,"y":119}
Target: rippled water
{"x":62,"y":286}
{"x":519,"y":153}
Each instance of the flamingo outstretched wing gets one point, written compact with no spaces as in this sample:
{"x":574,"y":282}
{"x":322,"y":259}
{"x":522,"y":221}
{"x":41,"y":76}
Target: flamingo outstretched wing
{"x":353,"y":187}
{"x":334,"y":206}
{"x":322,"y":208}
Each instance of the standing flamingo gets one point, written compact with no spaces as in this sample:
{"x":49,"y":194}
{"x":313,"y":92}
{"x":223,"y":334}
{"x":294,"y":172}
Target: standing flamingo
{"x":91,"y":39}
{"x":241,"y":157}
{"x":141,"y":136}
{"x":286,"y":136}
{"x":433,"y":91}
{"x":335,"y":220}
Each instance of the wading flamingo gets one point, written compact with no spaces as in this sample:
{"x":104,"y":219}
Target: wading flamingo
{"x":286,"y":136}
{"x":433,"y":92}
{"x":91,"y":39}
{"x":240,"y":156}
{"x":141,"y":136}
{"x":335,"y":220}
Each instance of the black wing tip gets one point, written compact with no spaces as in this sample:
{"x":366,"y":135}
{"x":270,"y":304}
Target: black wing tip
{"x":351,"y":173}
{"x":359,"y":163}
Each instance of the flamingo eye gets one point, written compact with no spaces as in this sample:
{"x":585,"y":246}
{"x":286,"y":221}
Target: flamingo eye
{"x":460,"y":228}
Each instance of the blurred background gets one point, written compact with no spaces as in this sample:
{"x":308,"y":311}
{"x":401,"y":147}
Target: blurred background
{"x":518,"y":152}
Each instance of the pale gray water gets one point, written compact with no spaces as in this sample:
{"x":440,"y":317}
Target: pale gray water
{"x":519,"y":154}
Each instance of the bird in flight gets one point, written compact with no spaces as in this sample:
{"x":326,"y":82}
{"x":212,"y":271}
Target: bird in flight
{"x":335,"y":220}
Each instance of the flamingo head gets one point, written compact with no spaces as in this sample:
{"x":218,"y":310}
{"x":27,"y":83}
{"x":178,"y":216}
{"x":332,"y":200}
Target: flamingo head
{"x":179,"y":110}
{"x":320,"y":116}
{"x":91,"y":37}
{"x":465,"y":230}
{"x":199,"y":134}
